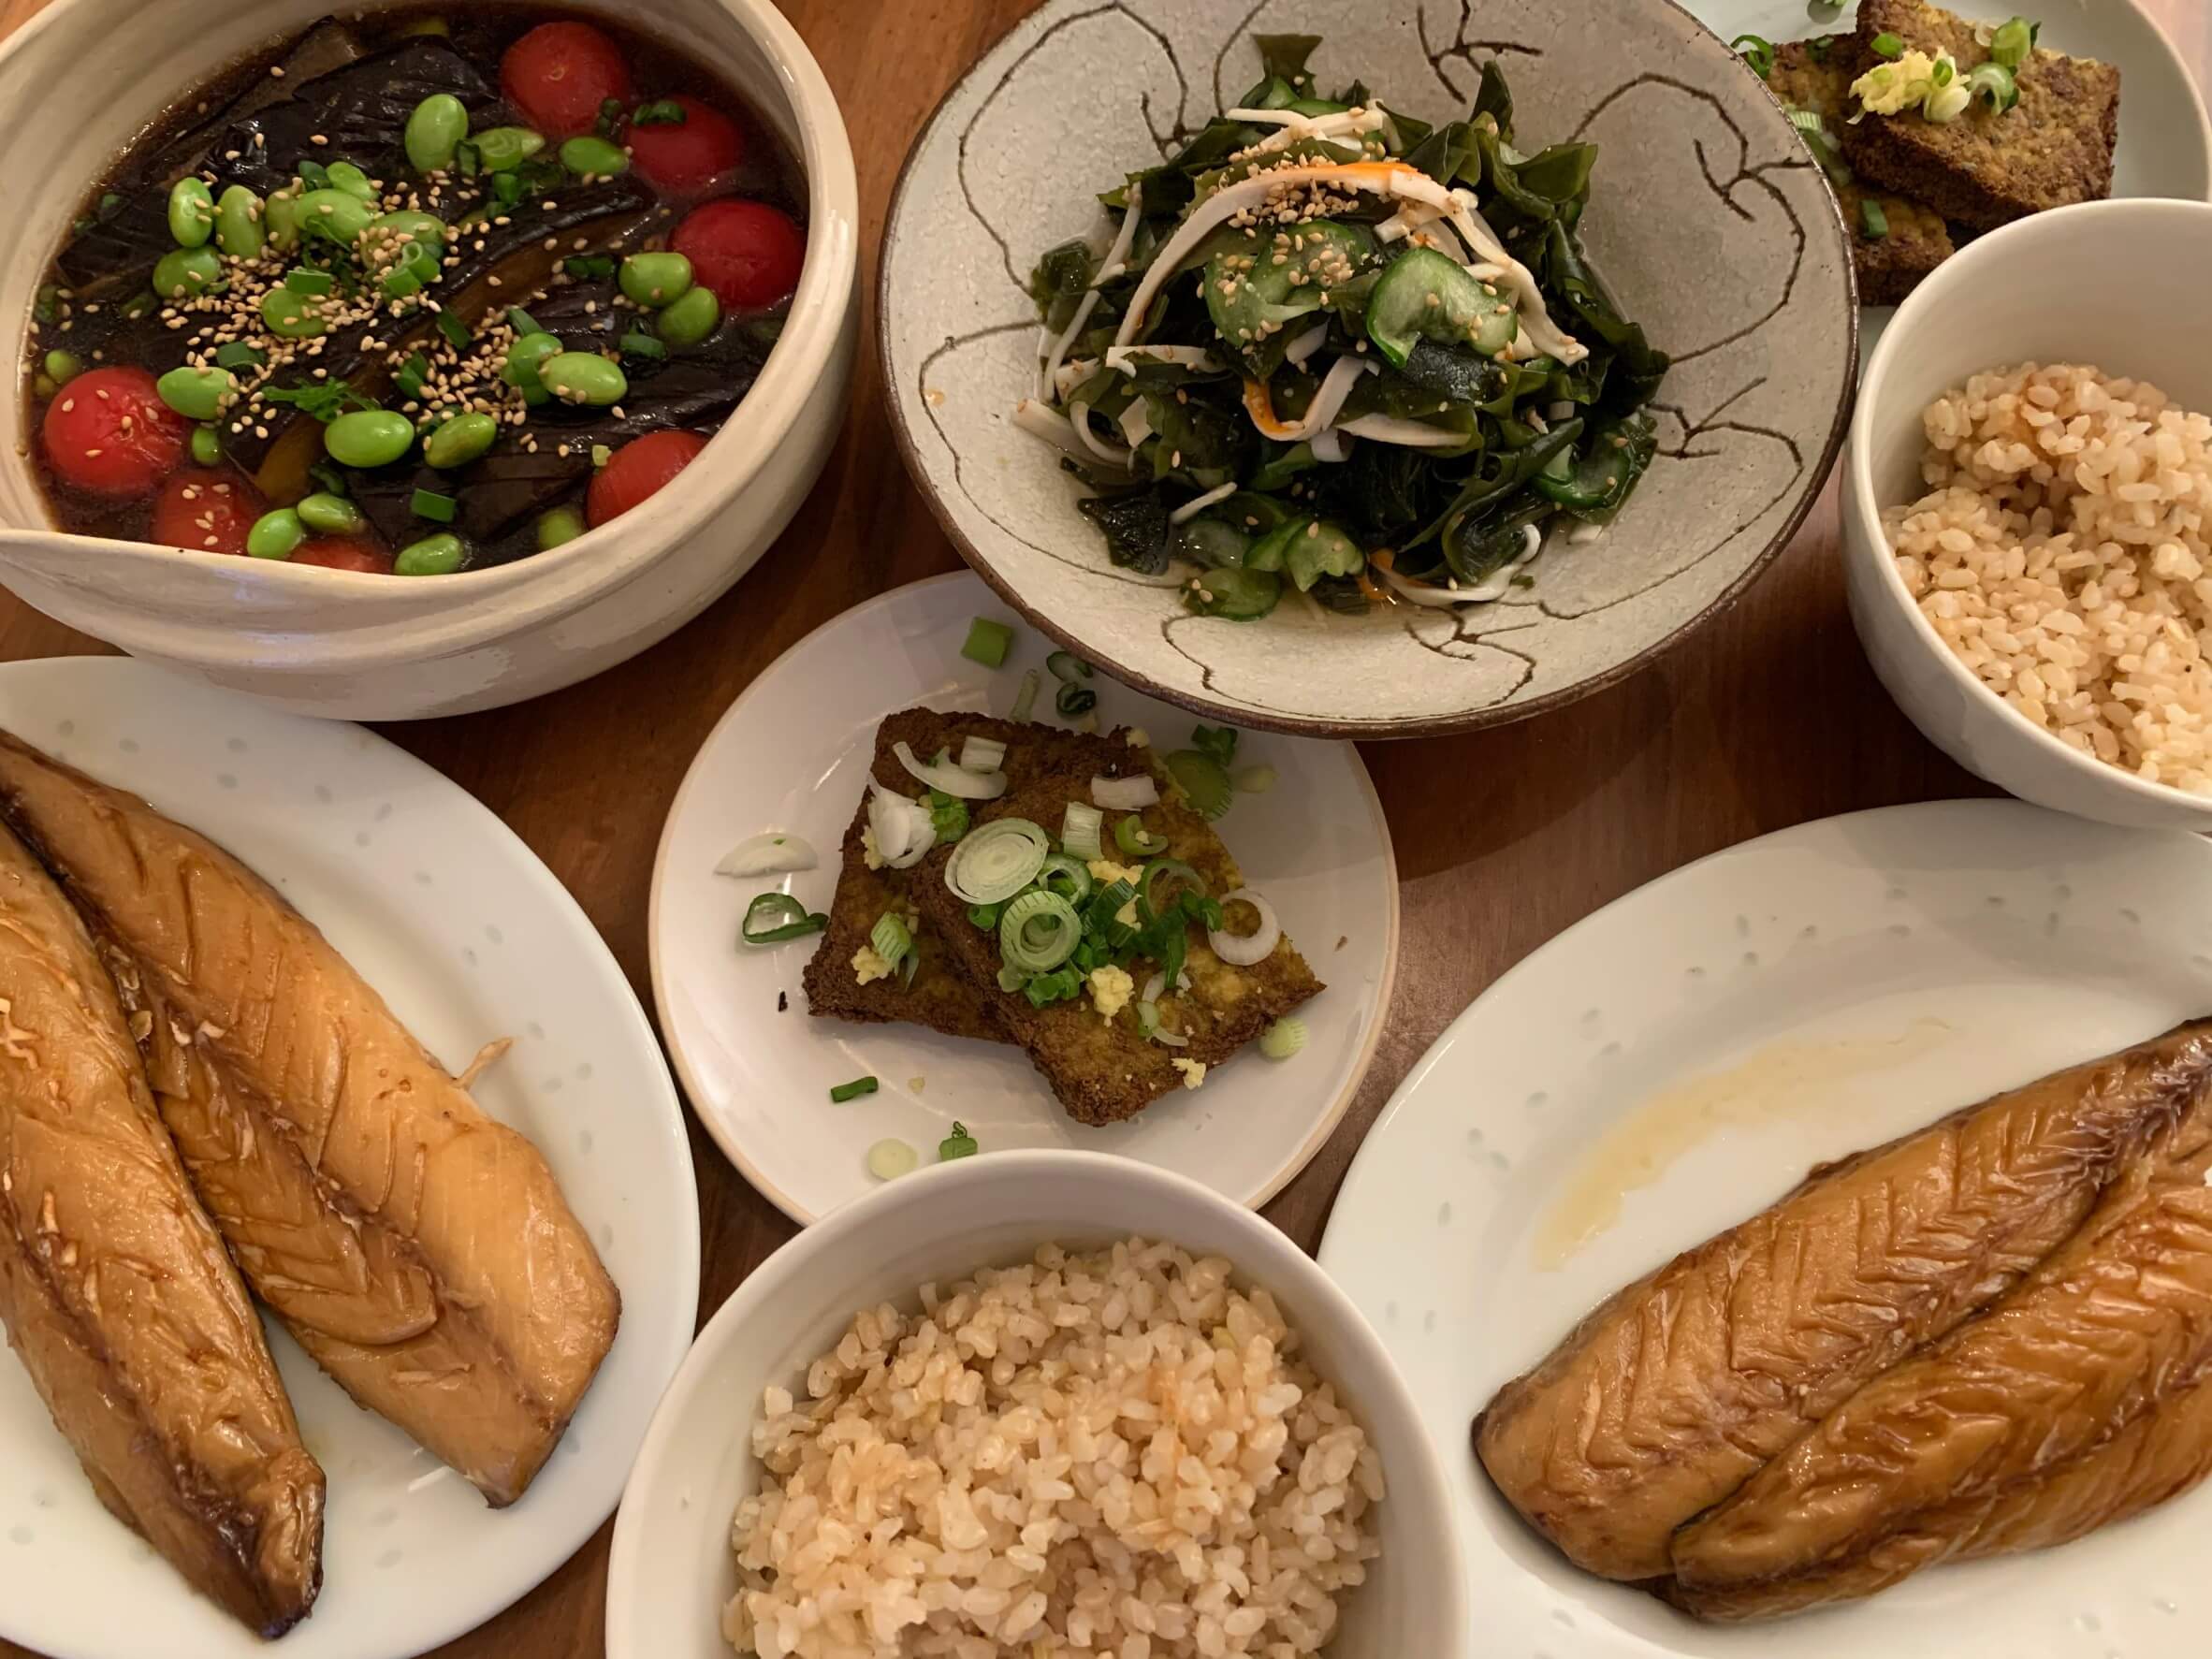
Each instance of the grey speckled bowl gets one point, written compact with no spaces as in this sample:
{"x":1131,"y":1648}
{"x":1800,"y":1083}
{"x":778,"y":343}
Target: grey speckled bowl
{"x":1706,"y":220}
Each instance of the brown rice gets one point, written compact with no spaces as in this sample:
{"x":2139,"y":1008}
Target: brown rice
{"x":2063,"y":555}
{"x":1113,"y":1454}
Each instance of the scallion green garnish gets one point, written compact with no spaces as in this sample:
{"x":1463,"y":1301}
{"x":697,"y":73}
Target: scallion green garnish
{"x":314,"y":175}
{"x":1068,"y":667}
{"x":637,"y":344}
{"x":988,"y":642}
{"x":1217,"y":741}
{"x":588,"y":267}
{"x":890,"y":938}
{"x":1074,"y":701}
{"x":1135,"y":840}
{"x":456,"y":331}
{"x":308,"y":281}
{"x":412,"y":375}
{"x":601,"y":455}
{"x":429,"y":504}
{"x":1891,"y":46}
{"x":1944,"y":69}
{"x":947,"y":816}
{"x":853,"y":1090}
{"x":959,"y":1144}
{"x":507,"y":188}
{"x":2012,"y":43}
{"x":522,"y":322}
{"x":1873,"y":222}
{"x":773,"y":917}
{"x":661,"y":112}
{"x":1756,"y":50}
{"x":238,"y":354}
{"x":1993,"y":82}
{"x":1026,"y":699}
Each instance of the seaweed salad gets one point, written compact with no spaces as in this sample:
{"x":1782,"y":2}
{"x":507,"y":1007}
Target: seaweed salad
{"x":1332,"y":346}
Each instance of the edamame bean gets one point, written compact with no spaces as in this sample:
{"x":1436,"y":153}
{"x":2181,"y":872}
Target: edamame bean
{"x":335,"y":214}
{"x":181,"y":273}
{"x":654,"y":280}
{"x":276,"y":534}
{"x":280,"y":221}
{"x":461,"y":440}
{"x":562,"y":524}
{"x":593,"y":158}
{"x":296,"y":317}
{"x":688,"y":319}
{"x":433,"y":555}
{"x":192,"y":212}
{"x":434,"y":132}
{"x":197,"y":394}
{"x":526,"y":356}
{"x":329,"y":515}
{"x":63,"y":367}
{"x":503,"y":149}
{"x":238,"y":223}
{"x":368,"y":438}
{"x":344,"y":176}
{"x":207,"y":447}
{"x":411,"y":225}
{"x":583,"y":377}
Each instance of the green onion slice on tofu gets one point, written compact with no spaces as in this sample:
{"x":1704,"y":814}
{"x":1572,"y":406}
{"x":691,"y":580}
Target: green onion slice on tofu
{"x":1038,"y":932}
{"x":1873,"y":222}
{"x":773,"y":917}
{"x":1891,"y":46}
{"x":1756,"y":50}
{"x":997,"y":861}
{"x":1993,"y":82}
{"x":2012,"y":42}
{"x":853,"y":1090}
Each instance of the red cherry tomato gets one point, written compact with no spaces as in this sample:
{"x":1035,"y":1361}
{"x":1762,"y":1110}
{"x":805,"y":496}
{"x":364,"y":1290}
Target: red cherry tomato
{"x":686,"y":156}
{"x":344,"y":553}
{"x":748,"y":253}
{"x":107,"y":431}
{"x":638,"y":469}
{"x":205,"y":509}
{"x":558,"y":74}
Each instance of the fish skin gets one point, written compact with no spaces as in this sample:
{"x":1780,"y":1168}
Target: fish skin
{"x":117,"y":1293}
{"x":1682,"y":1386}
{"x":261,"y":1022}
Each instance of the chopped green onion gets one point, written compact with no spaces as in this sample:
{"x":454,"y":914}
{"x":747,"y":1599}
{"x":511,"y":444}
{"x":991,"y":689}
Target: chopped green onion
{"x":588,"y":267}
{"x":1282,"y":1038}
{"x":1944,"y":69}
{"x":238,"y":354}
{"x":1074,"y":875}
{"x":1011,"y":979}
{"x":1038,"y":932}
{"x":507,"y":187}
{"x":889,"y":1160}
{"x":601,"y":455}
{"x":1068,"y":667}
{"x":890,"y":938}
{"x":1058,"y":987}
{"x":1873,"y":222}
{"x":959,"y":1144}
{"x":1130,"y":836}
{"x":997,"y":861}
{"x":140,"y":305}
{"x":661,"y":112}
{"x":413,"y":374}
{"x":1253,"y":781}
{"x":985,"y":916}
{"x":313,"y":175}
{"x":773,"y":917}
{"x":1073,"y":700}
{"x":1756,"y":50}
{"x":455,"y":330}
{"x":1026,"y":699}
{"x":310,"y":282}
{"x":1218,"y":741}
{"x":987,"y":642}
{"x":1889,"y":46}
{"x":522,"y":322}
{"x":1167,"y":869}
{"x":853,"y":1090}
{"x":429,"y":504}
{"x":948,"y":815}
{"x":1079,"y":830}
{"x":1993,"y":82}
{"x":2012,"y":43}
{"x":635,"y":344}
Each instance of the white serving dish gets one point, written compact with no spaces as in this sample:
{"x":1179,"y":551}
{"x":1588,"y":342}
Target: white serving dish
{"x":2119,"y":284}
{"x":351,"y":645}
{"x":672,"y":1568}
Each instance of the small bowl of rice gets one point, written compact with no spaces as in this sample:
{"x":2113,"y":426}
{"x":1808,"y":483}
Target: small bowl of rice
{"x":2028,"y":511}
{"x":1037,"y":1404}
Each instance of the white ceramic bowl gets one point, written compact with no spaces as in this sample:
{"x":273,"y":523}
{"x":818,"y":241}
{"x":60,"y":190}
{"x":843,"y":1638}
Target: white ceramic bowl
{"x":672,"y":1568}
{"x":79,"y":79}
{"x":2118,"y":284}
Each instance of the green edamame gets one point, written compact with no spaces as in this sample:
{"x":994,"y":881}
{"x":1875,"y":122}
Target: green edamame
{"x":183,"y":272}
{"x":276,"y":534}
{"x":238,"y":223}
{"x":192,"y":212}
{"x":63,"y":367}
{"x":294,"y":315}
{"x":409,"y":225}
{"x":502,"y":149}
{"x":526,"y":356}
{"x":368,"y":438}
{"x":207,"y":447}
{"x":329,"y":515}
{"x":654,"y":280}
{"x":461,"y":440}
{"x":583,"y":377}
{"x":333,"y":213}
{"x":344,"y":176}
{"x":562,"y":524}
{"x":197,"y":394}
{"x":433,"y":555}
{"x":434,"y":132}
{"x":690,"y":318}
{"x":280,"y":221}
{"x":591,"y":157}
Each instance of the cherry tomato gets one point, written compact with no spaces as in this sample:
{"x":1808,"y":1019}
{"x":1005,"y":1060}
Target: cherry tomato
{"x":638,"y":469}
{"x":107,"y":431}
{"x":558,"y":74}
{"x":686,"y":156}
{"x":748,"y":253}
{"x":205,"y":509}
{"x":344,"y":553}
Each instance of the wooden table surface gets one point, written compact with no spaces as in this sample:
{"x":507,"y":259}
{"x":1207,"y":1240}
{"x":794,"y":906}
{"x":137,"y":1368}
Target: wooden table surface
{"x":1768,"y":718}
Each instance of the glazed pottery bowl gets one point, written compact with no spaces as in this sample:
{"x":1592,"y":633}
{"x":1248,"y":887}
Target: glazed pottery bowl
{"x":673,"y":1570}
{"x":1991,"y":306}
{"x":1706,"y":220}
{"x":360,"y":647}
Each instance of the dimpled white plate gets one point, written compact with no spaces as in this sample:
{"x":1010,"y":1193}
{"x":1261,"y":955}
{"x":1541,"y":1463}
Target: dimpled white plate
{"x":791,"y":754}
{"x":1862,"y":976}
{"x":469,"y":937}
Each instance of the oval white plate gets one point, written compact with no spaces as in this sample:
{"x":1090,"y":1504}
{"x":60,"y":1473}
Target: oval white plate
{"x":1819,"y":956}
{"x":2165,"y":142}
{"x":469,"y":937}
{"x":790,"y":755}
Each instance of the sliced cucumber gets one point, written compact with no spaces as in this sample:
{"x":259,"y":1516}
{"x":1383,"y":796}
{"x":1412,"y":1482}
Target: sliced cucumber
{"x":1211,"y":542}
{"x":1241,"y":595}
{"x":1424,"y":296}
{"x":1250,"y":297}
{"x":1595,"y":481}
{"x":1321,"y":549}
{"x":1268,"y":552}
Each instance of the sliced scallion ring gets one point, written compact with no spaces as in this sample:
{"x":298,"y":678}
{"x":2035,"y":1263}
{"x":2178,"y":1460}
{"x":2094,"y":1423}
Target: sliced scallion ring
{"x":1068,"y":667}
{"x":1038,"y":932}
{"x":982,"y":754}
{"x":1026,"y":699}
{"x":1282,"y":1038}
{"x":1068,"y":877}
{"x":773,"y":917}
{"x":994,"y":862}
{"x":772,"y":853}
{"x":890,"y":938}
{"x":1891,"y":46}
{"x":1148,"y":1024}
{"x":1124,"y":794}
{"x":2013,"y":41}
{"x":889,"y":1160}
{"x":1011,"y":979}
{"x":1993,"y":82}
{"x":1079,"y":830}
{"x":1756,"y":50}
{"x":1947,"y":104}
{"x":1246,"y":949}
{"x":1167,"y":869}
{"x":1135,"y":840}
{"x":954,"y":780}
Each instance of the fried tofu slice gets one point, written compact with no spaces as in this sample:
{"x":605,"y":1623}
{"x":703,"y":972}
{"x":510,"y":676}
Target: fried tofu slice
{"x":1985,"y":169}
{"x":1101,"y":1069}
{"x":1817,"y":74}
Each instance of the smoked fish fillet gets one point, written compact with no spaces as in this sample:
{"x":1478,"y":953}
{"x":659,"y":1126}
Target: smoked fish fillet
{"x":117,"y":1293}
{"x":422,"y":1253}
{"x":1681,"y":1387}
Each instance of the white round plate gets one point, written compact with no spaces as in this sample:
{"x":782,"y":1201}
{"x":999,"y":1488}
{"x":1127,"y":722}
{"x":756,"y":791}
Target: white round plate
{"x":790,"y":755}
{"x":469,"y":937}
{"x":2165,"y":142}
{"x":1824,"y":989}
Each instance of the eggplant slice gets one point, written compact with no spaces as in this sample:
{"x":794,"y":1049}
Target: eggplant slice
{"x":421,"y":1252}
{"x":118,"y":1295}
